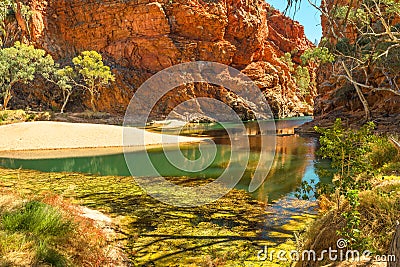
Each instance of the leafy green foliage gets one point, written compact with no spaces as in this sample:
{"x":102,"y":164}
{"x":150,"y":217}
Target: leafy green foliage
{"x":305,"y":190}
{"x":300,"y":74}
{"x":94,"y":73}
{"x":8,"y":8}
{"x":366,"y":12}
{"x":287,"y":58}
{"x":5,"y":10}
{"x":356,"y":15}
{"x":347,"y":148}
{"x":351,"y":230}
{"x":317,"y":55}
{"x":20,"y":64}
{"x":355,"y":156}
{"x":354,"y":153}
{"x":66,"y":79}
{"x":303,"y":79}
{"x":382,"y":153}
{"x":23,"y":63}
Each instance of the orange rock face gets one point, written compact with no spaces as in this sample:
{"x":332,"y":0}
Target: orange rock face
{"x":138,"y":38}
{"x":337,"y":98}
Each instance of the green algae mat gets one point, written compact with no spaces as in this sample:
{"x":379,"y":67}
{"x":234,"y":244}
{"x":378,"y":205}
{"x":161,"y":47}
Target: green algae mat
{"x":228,"y":232}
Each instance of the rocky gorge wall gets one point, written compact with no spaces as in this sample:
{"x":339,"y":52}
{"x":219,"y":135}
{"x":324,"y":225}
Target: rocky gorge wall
{"x":138,"y":38}
{"x":337,"y":97}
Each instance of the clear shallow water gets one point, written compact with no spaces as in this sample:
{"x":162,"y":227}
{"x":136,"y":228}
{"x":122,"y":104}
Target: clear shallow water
{"x":294,"y":159}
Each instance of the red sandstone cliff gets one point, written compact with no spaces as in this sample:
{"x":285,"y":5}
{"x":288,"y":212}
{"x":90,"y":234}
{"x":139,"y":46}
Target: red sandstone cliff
{"x":141,"y":37}
{"x":337,"y":97}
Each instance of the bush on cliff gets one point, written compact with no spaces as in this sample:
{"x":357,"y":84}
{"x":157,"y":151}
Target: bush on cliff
{"x":300,"y":74}
{"x":364,"y":37}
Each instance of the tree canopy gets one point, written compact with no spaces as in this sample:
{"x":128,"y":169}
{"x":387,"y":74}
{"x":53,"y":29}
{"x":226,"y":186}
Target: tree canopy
{"x":23,"y":63}
{"x":89,"y":65}
{"x":20,"y":64}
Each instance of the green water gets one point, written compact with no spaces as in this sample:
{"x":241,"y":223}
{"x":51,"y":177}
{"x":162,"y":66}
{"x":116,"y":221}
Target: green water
{"x":227,"y":232}
{"x":294,"y":160}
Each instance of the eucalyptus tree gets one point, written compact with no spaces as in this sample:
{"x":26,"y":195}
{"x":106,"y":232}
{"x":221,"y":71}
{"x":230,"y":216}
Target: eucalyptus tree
{"x":370,"y":56}
{"x":90,"y":67}
{"x":363,"y":44}
{"x":8,"y":11}
{"x":5,"y":12}
{"x":21,"y":63}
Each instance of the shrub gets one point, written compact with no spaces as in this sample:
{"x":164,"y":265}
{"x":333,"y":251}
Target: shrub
{"x":303,"y":79}
{"x":355,"y":157}
{"x":287,"y":59}
{"x":383,"y":152}
{"x":300,"y":74}
{"x":318,"y":54}
{"x":48,"y":232}
{"x":38,"y":219}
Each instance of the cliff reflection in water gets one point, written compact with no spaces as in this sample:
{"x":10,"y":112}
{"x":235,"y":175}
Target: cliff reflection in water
{"x":293,"y":161}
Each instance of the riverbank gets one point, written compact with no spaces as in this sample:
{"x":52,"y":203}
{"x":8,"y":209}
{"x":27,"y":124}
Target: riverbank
{"x":46,"y":229}
{"x":384,"y":125}
{"x":359,"y":210}
{"x":228,"y":232}
{"x":39,"y":136}
{"x":378,"y":221}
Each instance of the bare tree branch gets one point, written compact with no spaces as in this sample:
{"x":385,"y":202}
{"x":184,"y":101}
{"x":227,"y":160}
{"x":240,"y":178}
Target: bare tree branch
{"x":359,"y":93}
{"x":369,"y":86}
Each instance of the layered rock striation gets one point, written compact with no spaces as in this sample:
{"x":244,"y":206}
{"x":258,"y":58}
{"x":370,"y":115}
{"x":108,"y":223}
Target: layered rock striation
{"x":138,"y":38}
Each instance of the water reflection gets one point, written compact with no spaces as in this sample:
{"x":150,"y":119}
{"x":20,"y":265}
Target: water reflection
{"x":294,"y":159}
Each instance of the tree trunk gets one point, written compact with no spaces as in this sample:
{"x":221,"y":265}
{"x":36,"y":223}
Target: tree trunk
{"x":65,"y":102}
{"x":359,"y":93}
{"x":92,"y":101}
{"x":395,"y":248}
{"x":7,"y":97}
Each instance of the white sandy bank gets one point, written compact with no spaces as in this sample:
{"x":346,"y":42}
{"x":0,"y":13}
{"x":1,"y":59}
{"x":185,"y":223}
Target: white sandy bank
{"x":45,"y":135}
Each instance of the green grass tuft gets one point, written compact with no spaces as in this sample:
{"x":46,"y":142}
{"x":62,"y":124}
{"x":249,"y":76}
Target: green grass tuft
{"x":42,"y":225}
{"x":37,"y":218}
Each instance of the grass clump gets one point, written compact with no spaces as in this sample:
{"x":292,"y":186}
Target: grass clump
{"x":37,"y":218}
{"x":33,"y":230}
{"x":47,"y":232}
